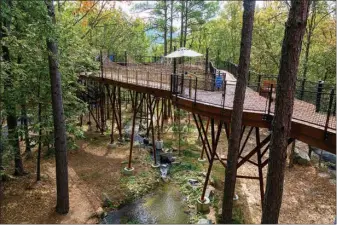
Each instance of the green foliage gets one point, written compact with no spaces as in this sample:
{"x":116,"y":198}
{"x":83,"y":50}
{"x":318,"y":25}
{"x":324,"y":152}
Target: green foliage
{"x":223,"y":34}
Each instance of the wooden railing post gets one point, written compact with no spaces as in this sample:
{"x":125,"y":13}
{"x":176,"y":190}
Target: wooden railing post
{"x":127,"y":75}
{"x":259,"y":83}
{"x":190,"y":88}
{"x":182,"y":84}
{"x":270,"y":98}
{"x":136,"y":76}
{"x":332,"y":93}
{"x":224,"y":92}
{"x":195,"y":90}
{"x":319,"y":95}
{"x":171,"y":84}
{"x":161,"y":80}
{"x":175,"y":62}
{"x":126,"y":58}
{"x":302,"y":89}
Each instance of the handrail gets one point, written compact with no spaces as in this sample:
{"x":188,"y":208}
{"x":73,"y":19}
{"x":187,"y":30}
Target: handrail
{"x":203,"y":89}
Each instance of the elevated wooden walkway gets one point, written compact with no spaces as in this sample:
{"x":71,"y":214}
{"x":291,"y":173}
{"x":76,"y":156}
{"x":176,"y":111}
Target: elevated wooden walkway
{"x":203,"y":97}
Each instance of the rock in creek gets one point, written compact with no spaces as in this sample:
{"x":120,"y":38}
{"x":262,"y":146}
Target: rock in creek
{"x":164,"y":168}
{"x":301,"y":157}
{"x":193,"y":182}
{"x":106,"y":200}
{"x":166,"y":158}
{"x":326,"y":156}
{"x":204,"y":221}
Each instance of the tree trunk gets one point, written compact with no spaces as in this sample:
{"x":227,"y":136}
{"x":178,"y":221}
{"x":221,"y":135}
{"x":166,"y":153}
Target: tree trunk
{"x":10,"y":101}
{"x":182,"y":23}
{"x":186,"y":20}
{"x":62,"y":205}
{"x":236,"y":120}
{"x":38,"y":161}
{"x":165,"y":27}
{"x":25,"y":126}
{"x":285,"y":93}
{"x":1,"y":149}
{"x":308,"y":43}
{"x":171,"y":26}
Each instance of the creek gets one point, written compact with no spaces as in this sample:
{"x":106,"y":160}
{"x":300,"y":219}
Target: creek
{"x":165,"y":205}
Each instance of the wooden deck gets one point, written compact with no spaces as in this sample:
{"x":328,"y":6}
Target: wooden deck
{"x":307,"y":125}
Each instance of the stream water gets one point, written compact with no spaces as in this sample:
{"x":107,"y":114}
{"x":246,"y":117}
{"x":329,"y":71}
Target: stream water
{"x":164,"y":206}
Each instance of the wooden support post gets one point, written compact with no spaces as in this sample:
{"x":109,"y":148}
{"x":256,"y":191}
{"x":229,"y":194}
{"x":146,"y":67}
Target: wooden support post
{"x":151,"y":109}
{"x":259,"y":159}
{"x":157,"y":120}
{"x":113,"y":116}
{"x":245,"y":142}
{"x":200,"y":135}
{"x":179,"y":131}
{"x":120,"y":114}
{"x":133,"y":129}
{"x":163,"y":114}
{"x":203,"y":148}
{"x":107,"y":103}
{"x":263,"y":143}
{"x":101,"y":102}
{"x":215,"y":141}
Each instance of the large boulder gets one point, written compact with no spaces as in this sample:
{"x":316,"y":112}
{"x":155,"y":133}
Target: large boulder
{"x":301,"y":157}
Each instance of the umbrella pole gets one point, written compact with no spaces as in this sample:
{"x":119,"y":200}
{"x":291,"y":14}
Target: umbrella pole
{"x":183,"y":65}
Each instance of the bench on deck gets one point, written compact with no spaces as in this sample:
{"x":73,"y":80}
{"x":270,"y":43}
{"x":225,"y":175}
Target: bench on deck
{"x":265,"y":88}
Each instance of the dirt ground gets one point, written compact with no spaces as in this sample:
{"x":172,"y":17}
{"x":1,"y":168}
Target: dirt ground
{"x":309,"y":195}
{"x":95,"y":170}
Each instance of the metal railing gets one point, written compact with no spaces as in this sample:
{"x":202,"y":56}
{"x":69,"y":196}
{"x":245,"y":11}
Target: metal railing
{"x":317,"y":107}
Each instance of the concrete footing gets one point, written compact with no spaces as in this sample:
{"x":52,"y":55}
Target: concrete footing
{"x":128,"y":171}
{"x":155,"y":165}
{"x":112,"y":145}
{"x":159,"y":144}
{"x":201,"y":160}
{"x":89,"y":128}
{"x":203,"y":206}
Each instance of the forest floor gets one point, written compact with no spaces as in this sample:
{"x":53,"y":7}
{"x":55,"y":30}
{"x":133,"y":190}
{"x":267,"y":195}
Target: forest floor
{"x":309,"y":195}
{"x":95,"y":173}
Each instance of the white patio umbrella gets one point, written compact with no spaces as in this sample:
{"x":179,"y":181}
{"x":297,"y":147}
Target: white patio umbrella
{"x":183,"y":52}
